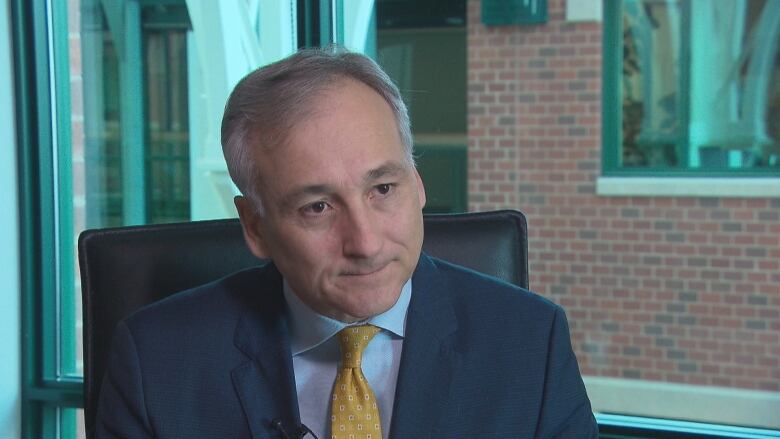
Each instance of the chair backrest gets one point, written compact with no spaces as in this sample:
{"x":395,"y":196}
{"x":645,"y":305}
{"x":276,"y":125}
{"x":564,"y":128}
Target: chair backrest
{"x":123,"y":269}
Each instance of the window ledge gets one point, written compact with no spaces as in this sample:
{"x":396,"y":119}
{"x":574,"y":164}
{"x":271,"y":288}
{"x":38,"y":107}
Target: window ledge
{"x":675,"y":401}
{"x":622,"y":426}
{"x":758,"y":187}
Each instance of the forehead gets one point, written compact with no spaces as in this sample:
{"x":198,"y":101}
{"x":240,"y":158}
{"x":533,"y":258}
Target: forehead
{"x":297,"y":111}
{"x":349,"y":130}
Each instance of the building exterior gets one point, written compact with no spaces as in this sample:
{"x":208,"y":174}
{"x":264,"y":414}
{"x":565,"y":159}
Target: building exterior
{"x":666,"y":288}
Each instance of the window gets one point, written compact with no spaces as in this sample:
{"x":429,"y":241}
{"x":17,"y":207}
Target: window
{"x":422,"y":46}
{"x":692,"y":87}
{"x":672,"y":302}
{"x":120,"y":103}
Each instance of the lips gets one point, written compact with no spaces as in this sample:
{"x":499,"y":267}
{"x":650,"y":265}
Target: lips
{"x":365,"y":271}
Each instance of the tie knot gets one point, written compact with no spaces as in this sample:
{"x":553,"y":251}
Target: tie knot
{"x":353,"y":339}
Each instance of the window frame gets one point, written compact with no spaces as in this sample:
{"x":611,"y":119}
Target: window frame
{"x":39,"y":30}
{"x":43,"y":392}
{"x":611,"y":134}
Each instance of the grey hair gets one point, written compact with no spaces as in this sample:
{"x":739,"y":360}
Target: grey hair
{"x":266,"y":104}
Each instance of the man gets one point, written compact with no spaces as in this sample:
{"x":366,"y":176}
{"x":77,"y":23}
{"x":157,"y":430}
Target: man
{"x":320,"y":146}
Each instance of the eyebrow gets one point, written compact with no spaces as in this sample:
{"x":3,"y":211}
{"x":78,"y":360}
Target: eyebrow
{"x":389,"y":169}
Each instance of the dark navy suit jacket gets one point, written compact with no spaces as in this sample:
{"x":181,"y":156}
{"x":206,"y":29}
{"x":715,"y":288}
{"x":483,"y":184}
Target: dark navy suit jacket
{"x":481,"y":359}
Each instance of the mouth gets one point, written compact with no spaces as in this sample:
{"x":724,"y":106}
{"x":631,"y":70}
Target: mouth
{"x":368,"y":271}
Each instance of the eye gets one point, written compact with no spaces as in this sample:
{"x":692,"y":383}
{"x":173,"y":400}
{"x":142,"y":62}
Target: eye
{"x":384,"y":188}
{"x":316,"y":208}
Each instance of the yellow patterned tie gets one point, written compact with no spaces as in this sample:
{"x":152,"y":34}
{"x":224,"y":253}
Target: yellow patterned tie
{"x":354,"y":412}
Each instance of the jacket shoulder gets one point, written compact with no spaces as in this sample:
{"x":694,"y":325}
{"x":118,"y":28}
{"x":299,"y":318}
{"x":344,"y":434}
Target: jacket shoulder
{"x":471,"y":286}
{"x":211,"y":302}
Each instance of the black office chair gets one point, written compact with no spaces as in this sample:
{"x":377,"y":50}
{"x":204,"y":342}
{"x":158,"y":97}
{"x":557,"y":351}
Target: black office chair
{"x":123,"y":269}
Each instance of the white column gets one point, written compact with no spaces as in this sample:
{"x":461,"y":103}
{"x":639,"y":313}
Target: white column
{"x":229,"y":39}
{"x":360,"y":26}
{"x":716,"y":31}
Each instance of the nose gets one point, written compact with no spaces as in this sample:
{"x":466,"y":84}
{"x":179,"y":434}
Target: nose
{"x":361,"y":233}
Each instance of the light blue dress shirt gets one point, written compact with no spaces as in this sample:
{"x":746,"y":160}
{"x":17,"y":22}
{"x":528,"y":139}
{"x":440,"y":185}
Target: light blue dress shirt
{"x":316,"y":356}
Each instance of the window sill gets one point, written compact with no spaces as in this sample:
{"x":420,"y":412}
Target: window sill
{"x":706,"y":404}
{"x":758,"y":187}
{"x":635,"y":427}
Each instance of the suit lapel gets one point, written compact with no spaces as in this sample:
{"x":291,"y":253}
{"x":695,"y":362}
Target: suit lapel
{"x":265,"y":383}
{"x":428,"y":359}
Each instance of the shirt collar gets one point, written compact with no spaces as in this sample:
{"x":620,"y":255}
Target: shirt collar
{"x":308,"y":329}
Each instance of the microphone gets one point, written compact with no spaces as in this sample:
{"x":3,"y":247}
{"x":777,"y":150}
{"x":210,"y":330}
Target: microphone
{"x":303,"y":430}
{"x":277,"y":425}
{"x":300,"y":432}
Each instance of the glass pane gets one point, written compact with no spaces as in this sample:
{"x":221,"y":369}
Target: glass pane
{"x":98,"y":181}
{"x":424,"y":52}
{"x":734,"y":84}
{"x":651,"y":84}
{"x":71,"y":424}
{"x":167,"y":155}
{"x":146,"y":89}
{"x":716,"y":109}
{"x":113,"y":171}
{"x":358,"y":26}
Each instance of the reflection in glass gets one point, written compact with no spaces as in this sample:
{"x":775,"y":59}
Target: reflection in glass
{"x":167,"y":127}
{"x":130,"y":142}
{"x":147,"y":83}
{"x":651,"y":98}
{"x":701,"y":84}
{"x":71,"y":423}
{"x":425,"y":54}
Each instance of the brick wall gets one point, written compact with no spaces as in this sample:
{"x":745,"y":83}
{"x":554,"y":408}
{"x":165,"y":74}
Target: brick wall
{"x":680,"y":290}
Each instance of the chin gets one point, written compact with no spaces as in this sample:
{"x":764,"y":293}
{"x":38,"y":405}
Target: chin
{"x":363,"y":310}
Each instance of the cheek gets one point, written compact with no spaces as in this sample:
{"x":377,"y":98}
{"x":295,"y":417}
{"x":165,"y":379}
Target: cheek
{"x":289,"y":247}
{"x":317,"y":252}
{"x":406,"y":230}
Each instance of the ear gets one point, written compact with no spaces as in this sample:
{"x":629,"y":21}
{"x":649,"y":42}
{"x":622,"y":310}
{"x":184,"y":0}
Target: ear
{"x":420,"y":188}
{"x":251,"y":223}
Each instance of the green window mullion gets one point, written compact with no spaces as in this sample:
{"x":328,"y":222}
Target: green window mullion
{"x":27,"y":18}
{"x":611,"y":107}
{"x":64,"y":306}
{"x":684,"y":85}
{"x":45,"y":211}
{"x":317,"y":23}
{"x":305,"y":23}
{"x":35,"y":23}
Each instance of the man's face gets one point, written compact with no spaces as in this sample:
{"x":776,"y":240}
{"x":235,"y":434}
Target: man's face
{"x":341,"y":206}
